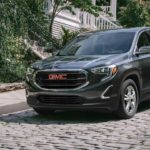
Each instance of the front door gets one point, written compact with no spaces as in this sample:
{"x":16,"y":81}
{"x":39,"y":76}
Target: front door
{"x":144,"y":60}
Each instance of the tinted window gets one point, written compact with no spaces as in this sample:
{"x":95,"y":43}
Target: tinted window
{"x":103,"y":43}
{"x":144,"y":40}
{"x":148,"y":34}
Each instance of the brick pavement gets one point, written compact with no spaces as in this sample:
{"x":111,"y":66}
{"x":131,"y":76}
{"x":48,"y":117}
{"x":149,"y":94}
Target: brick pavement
{"x":75,"y":130}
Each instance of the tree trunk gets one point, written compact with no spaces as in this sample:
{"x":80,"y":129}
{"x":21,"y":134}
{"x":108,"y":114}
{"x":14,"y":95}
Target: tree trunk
{"x":51,"y":26}
{"x":52,"y":22}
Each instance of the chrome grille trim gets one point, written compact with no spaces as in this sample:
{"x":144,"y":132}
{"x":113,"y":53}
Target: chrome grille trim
{"x":60,"y":71}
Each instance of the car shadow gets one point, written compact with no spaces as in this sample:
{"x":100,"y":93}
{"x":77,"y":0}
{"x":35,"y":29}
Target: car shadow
{"x":59,"y":117}
{"x":144,"y":106}
{"x":65,"y":117}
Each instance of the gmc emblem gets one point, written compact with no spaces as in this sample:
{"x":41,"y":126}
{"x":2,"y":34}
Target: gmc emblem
{"x":57,"y":76}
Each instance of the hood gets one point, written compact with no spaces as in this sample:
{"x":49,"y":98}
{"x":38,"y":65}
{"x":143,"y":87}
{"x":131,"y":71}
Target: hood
{"x":76,"y":62}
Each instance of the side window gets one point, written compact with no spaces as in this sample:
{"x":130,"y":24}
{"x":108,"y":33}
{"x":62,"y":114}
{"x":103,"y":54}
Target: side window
{"x":148,"y":35}
{"x":143,"y":40}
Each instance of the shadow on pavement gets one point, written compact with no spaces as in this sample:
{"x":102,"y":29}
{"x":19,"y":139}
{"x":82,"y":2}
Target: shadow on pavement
{"x":59,"y":117}
{"x":65,"y":117}
{"x":144,"y":106}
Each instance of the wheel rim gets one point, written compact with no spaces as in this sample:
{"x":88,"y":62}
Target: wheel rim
{"x":130,"y":99}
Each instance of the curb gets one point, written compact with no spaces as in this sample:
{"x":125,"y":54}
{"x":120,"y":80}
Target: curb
{"x":13,"y":108}
{"x":11,"y":86}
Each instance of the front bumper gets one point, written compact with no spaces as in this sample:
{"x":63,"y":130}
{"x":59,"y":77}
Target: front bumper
{"x":102,"y":96}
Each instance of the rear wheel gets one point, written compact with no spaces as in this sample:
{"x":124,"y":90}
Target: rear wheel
{"x":129,"y":99}
{"x":44,"y":111}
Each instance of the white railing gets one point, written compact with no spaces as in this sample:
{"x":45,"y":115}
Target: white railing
{"x":106,"y":9}
{"x":103,"y":23}
{"x":87,"y":20}
{"x":96,"y":23}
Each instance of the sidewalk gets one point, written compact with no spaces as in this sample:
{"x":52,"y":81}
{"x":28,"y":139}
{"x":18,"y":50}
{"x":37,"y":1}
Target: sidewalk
{"x":12,"y":101}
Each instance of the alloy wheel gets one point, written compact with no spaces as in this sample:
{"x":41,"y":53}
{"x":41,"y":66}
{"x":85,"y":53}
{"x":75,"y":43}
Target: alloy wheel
{"x":130,"y":99}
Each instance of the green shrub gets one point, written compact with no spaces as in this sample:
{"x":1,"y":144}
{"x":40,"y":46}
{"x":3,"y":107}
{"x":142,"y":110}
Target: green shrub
{"x":134,"y":15}
{"x":14,"y":60}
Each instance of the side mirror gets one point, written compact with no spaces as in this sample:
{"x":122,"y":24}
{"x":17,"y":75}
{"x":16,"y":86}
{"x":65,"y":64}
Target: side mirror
{"x":144,"y":50}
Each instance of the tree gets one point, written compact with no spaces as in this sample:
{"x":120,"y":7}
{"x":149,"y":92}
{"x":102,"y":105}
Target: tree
{"x":67,"y":36}
{"x":134,"y":14}
{"x":120,"y":4}
{"x":60,"y":5}
{"x":18,"y":20}
{"x":102,"y":2}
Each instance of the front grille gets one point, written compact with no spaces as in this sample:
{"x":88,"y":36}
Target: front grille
{"x":72,"y":80}
{"x":49,"y":99}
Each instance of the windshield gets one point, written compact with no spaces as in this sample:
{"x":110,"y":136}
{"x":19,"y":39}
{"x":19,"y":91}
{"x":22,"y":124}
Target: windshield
{"x":99,"y":44}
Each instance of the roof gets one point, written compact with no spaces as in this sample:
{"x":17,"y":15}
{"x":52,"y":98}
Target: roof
{"x":136,"y":29}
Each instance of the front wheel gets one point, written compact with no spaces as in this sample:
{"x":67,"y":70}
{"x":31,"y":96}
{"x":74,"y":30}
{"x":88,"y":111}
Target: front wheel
{"x":44,"y":111}
{"x":129,"y":100}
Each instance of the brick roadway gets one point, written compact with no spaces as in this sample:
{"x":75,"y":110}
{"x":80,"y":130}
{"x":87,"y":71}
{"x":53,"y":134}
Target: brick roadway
{"x":75,"y":130}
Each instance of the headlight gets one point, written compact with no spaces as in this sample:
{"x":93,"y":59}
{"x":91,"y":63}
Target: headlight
{"x":106,"y":71}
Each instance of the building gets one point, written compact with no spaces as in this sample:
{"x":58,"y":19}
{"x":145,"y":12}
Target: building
{"x":106,"y":19}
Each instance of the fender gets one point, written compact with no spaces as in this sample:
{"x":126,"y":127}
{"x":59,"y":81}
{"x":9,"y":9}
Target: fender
{"x":130,"y":73}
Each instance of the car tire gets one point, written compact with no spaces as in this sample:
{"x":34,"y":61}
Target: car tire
{"x":129,"y":99}
{"x":44,"y":111}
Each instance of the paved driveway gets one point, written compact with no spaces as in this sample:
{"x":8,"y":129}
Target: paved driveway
{"x":75,"y":130}
{"x":12,"y":101}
